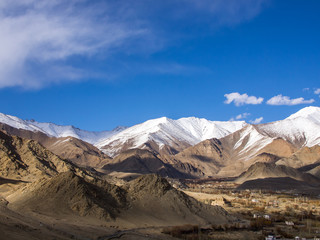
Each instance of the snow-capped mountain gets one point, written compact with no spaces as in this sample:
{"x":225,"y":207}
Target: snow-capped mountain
{"x":270,"y":141}
{"x":58,"y":131}
{"x":164,"y":131}
{"x":250,"y":142}
{"x":301,"y":128}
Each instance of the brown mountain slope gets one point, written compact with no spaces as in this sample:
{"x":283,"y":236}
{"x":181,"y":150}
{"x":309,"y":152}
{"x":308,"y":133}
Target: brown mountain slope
{"x":229,"y":156}
{"x":280,"y":184}
{"x":141,"y":161}
{"x":78,"y":151}
{"x":270,"y":170}
{"x":248,"y":146}
{"x":157,"y":203}
{"x":28,"y":160}
{"x":73,"y":149}
{"x":315,"y":171}
{"x":303,"y":157}
{"x":69,"y":194}
{"x":265,"y":157}
{"x":204,"y":159}
{"x":147,"y":201}
{"x":279,"y":147}
{"x":272,"y":152}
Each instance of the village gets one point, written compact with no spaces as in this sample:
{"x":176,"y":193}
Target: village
{"x":271,"y":215}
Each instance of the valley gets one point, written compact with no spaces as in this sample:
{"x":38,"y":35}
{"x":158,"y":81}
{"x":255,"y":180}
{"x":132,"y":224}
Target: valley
{"x":281,"y":213}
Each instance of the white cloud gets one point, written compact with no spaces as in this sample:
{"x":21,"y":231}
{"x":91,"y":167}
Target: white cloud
{"x":305,"y":89}
{"x":242,"y":116}
{"x":257,"y":120}
{"x":38,"y":37}
{"x":242,"y":99}
{"x":317,"y":91}
{"x":285,"y":100}
{"x":46,"y":33}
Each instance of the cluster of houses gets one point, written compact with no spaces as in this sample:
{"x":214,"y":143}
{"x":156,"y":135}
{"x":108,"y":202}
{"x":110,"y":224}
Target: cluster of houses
{"x":265,"y":216}
{"x":272,"y":237}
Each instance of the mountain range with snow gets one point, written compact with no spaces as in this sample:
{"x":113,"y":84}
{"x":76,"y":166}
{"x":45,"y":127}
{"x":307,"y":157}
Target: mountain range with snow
{"x":54,"y":130}
{"x":161,"y":132}
{"x":195,"y":146}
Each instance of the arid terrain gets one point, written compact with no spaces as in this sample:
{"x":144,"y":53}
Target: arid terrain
{"x":284,"y":214}
{"x":159,"y":120}
{"x":60,"y":182}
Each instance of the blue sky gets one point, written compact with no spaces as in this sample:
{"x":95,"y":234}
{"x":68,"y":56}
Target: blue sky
{"x":100,"y":64}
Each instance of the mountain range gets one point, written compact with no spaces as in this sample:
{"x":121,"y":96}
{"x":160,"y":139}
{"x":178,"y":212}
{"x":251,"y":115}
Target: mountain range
{"x":43,"y":196}
{"x":187,"y":147}
{"x":61,"y":182}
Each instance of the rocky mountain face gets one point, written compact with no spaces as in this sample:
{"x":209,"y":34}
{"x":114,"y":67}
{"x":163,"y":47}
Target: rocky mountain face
{"x":139,"y":203}
{"x":71,"y":148}
{"x":26,"y":160}
{"x":204,"y":159}
{"x":69,"y":194}
{"x":303,"y":157}
{"x":231,"y":155}
{"x":141,"y":161}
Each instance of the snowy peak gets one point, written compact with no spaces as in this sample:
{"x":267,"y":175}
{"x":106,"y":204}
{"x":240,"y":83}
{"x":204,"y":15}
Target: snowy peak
{"x":250,"y":142}
{"x":301,"y":128}
{"x":53,"y":130}
{"x":18,"y":123}
{"x":204,"y":129}
{"x":165,"y":131}
{"x":312,"y":113}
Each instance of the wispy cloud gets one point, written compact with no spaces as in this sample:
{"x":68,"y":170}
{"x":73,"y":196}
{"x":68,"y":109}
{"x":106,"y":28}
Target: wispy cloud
{"x":257,"y":120}
{"x":285,"y":100}
{"x":38,"y":37}
{"x":46,"y":33}
{"x":240,"y":116}
{"x":317,"y":91}
{"x":230,"y":12}
{"x":242,"y":99}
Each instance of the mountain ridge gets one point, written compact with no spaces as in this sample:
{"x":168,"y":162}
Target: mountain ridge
{"x":165,"y":136}
{"x":55,"y":130}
